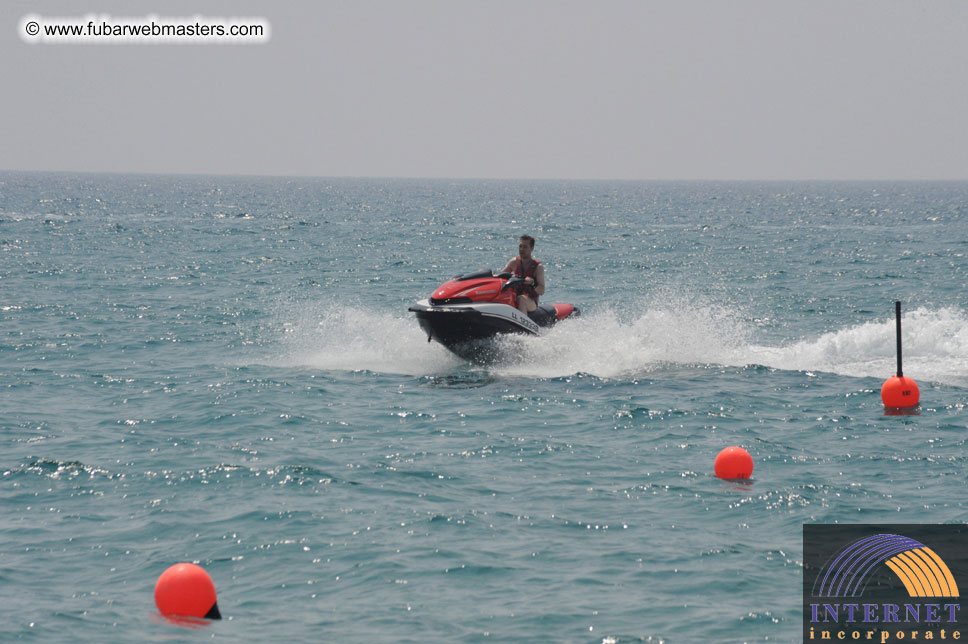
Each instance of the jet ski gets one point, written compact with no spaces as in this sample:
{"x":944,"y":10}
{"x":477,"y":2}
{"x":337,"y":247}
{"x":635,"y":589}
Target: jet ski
{"x":466,"y":313}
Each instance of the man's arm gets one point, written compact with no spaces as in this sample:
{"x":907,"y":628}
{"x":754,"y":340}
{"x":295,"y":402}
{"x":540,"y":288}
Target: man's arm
{"x":510,"y":267}
{"x":539,"y":280}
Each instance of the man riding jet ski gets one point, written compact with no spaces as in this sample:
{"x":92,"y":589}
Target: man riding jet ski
{"x":465,"y":313}
{"x":525,"y":265}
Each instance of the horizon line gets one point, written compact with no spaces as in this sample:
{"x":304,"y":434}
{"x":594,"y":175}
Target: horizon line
{"x":257,"y":175}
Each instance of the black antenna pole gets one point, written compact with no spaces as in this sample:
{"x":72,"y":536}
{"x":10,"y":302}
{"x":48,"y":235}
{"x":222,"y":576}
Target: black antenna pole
{"x":897,"y":311}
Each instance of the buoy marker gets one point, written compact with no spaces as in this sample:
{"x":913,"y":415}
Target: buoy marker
{"x":734,"y":463}
{"x":186,"y":590}
{"x":899,"y":392}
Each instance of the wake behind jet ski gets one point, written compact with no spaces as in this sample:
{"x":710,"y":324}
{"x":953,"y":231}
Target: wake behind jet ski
{"x":467,"y":312}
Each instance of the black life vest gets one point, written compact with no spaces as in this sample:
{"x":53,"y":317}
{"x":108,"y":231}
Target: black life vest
{"x":531,"y":272}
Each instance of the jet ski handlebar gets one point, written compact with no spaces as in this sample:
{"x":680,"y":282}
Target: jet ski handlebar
{"x":517,"y":283}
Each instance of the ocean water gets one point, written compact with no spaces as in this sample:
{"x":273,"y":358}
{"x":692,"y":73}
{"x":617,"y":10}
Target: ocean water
{"x":223,"y":370}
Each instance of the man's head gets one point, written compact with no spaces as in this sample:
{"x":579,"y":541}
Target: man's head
{"x":525,"y":246}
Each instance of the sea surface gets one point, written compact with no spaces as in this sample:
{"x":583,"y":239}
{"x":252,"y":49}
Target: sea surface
{"x":223,"y":370}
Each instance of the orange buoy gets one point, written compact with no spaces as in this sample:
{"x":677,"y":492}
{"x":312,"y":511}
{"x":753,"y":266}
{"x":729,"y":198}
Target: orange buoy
{"x":899,"y":392}
{"x":186,"y":590}
{"x":734,"y":463}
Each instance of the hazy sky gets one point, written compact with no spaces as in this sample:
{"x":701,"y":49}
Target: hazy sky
{"x":678,"y":89}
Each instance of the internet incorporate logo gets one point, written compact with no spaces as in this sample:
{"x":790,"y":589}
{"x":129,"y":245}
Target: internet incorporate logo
{"x":909,"y":591}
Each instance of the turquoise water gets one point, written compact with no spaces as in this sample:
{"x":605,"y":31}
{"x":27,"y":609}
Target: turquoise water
{"x":223,"y":370}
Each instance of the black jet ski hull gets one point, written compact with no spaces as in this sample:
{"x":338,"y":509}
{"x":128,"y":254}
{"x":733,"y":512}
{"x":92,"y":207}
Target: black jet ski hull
{"x":468,"y":330}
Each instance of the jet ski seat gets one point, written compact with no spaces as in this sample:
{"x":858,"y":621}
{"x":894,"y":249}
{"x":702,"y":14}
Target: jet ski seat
{"x":544,"y":315}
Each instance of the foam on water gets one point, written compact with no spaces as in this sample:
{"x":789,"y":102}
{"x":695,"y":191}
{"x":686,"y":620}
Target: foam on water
{"x":610,"y":343}
{"x":615,"y":343}
{"x":354,"y":338}
{"x":934,"y":344}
